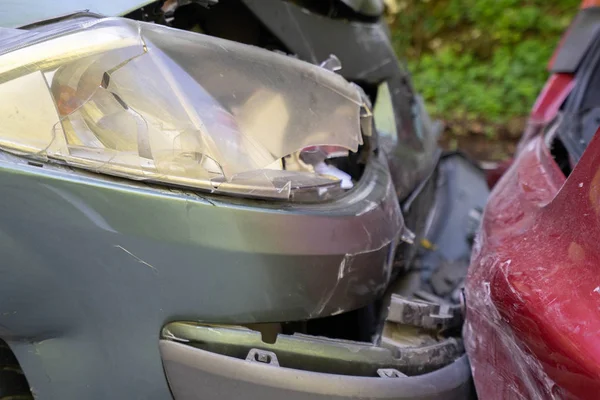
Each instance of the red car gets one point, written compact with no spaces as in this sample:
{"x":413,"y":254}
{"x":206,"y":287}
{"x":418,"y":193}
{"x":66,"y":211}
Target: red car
{"x":533,"y":290}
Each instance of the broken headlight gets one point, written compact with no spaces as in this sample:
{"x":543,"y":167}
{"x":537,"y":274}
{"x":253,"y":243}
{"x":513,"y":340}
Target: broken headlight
{"x":147,"y":102}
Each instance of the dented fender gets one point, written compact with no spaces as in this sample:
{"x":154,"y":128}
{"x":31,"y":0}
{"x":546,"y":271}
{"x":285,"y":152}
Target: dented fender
{"x":533,"y":290}
{"x":90,"y":257}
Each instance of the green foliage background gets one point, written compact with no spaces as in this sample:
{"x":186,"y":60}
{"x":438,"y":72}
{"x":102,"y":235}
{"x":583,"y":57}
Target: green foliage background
{"x":479,"y":60}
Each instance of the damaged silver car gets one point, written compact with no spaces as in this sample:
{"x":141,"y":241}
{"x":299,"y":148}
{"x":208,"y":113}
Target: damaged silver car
{"x":232,"y":199}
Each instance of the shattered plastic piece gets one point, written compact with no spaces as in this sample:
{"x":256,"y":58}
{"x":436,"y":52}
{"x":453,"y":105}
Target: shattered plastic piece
{"x":326,"y":169}
{"x":131,"y":99}
{"x":358,"y":44}
{"x":332,"y":63}
{"x":366,"y":120}
{"x":390,"y":373}
{"x":315,"y":154}
{"x":383,"y":113}
{"x":423,"y":314}
{"x":366,"y":115}
{"x":407,"y":236}
{"x":278,"y":184}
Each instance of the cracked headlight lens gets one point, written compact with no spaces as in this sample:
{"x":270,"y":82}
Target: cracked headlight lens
{"x":152,"y":103}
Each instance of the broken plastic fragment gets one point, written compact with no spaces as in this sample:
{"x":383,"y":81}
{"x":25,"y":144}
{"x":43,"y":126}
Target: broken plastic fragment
{"x":366,"y":115}
{"x":276,"y":183}
{"x":150,"y":103}
{"x":366,"y":120}
{"x":383,"y":113}
{"x":329,"y":170}
{"x":332,"y":63}
{"x":390,"y":373}
{"x":407,"y":235}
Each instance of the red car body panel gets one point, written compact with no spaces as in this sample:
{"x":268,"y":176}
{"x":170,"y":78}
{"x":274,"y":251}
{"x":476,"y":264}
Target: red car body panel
{"x":552,"y":96}
{"x":533,"y":290}
{"x":546,"y":107}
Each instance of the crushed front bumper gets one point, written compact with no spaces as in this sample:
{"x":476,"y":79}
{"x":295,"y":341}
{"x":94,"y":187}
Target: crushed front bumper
{"x":96,"y":266}
{"x":204,"y":362}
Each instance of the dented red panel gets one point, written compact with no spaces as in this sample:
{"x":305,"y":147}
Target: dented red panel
{"x":533,"y":290}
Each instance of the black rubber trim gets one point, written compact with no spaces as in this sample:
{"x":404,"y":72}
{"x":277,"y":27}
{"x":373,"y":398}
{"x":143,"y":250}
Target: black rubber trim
{"x":570,"y":129}
{"x":579,"y":38}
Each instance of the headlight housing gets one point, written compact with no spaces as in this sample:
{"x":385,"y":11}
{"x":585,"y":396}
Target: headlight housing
{"x":148,"y":102}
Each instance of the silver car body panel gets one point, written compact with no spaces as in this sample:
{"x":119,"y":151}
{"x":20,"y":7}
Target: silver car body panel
{"x":94,"y":267}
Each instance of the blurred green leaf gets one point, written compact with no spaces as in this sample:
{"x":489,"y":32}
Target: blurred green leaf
{"x":480,"y":59}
